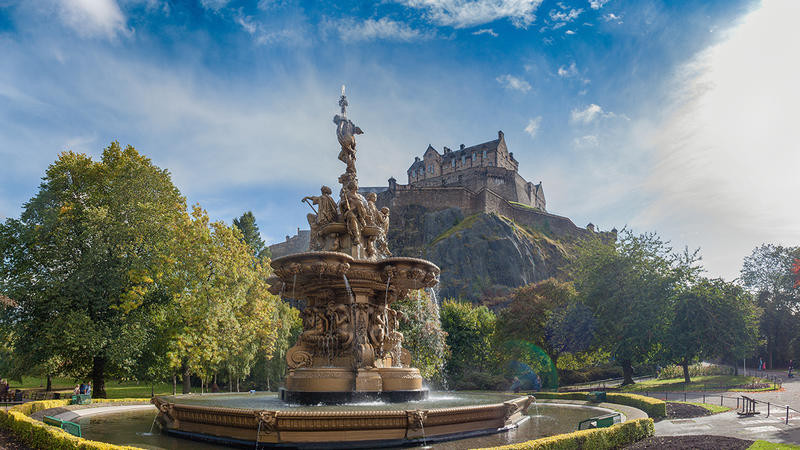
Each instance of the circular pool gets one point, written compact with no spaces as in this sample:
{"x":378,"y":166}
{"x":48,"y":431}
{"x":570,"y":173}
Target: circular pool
{"x":133,"y":427}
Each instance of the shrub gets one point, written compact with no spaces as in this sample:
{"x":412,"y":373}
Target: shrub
{"x":695,"y":370}
{"x":652,"y":406}
{"x":567,"y":377}
{"x":41,"y":436}
{"x":616,"y":436}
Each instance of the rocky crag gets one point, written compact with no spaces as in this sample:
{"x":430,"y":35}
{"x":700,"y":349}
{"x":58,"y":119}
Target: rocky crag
{"x":483,"y":255}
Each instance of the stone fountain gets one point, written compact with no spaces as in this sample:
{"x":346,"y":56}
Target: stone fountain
{"x":351,"y":347}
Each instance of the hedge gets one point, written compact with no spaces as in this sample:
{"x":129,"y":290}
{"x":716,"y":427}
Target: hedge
{"x":653,"y":407}
{"x":36,"y":434}
{"x":616,"y":436}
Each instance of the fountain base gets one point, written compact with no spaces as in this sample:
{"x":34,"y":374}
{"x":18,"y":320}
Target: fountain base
{"x":336,"y":385}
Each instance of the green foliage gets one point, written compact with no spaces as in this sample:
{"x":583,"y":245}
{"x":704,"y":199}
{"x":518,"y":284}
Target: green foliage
{"x":616,"y":436}
{"x":766,"y":445}
{"x":463,"y":225}
{"x":85,"y":262}
{"x":250,"y":234}
{"x":768,"y":274}
{"x":652,"y":406}
{"x":695,"y":370}
{"x":423,"y":335}
{"x":710,"y":318}
{"x":470,"y":334}
{"x":627,"y":285}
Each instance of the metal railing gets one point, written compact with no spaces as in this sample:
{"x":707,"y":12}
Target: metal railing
{"x":749,"y":406}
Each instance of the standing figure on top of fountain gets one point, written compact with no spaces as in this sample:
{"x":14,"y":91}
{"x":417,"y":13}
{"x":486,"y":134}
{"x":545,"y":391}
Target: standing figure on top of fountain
{"x":328,"y":213}
{"x":352,"y":207}
{"x":345,"y":132}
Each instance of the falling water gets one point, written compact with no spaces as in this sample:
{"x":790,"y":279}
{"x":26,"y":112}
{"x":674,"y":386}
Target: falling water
{"x":433,"y":296}
{"x":347,"y":286}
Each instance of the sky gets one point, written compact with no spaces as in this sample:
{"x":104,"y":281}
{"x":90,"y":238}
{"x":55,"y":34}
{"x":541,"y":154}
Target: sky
{"x":679,"y":117}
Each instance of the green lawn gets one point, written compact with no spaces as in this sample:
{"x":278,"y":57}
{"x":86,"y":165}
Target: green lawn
{"x":714,"y":409}
{"x":709,"y":382}
{"x":114,"y":389}
{"x":764,"y":445}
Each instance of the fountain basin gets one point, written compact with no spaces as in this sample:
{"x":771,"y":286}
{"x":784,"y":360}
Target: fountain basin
{"x":344,"y":427}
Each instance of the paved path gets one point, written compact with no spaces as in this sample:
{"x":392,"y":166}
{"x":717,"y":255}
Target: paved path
{"x":771,"y":428}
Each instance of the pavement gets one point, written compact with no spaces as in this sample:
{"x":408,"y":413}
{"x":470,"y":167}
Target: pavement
{"x":772,"y":427}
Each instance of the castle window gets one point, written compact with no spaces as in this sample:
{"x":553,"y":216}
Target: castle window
{"x":430,"y":168}
{"x":463,"y":160}
{"x":453,"y":162}
{"x":484,"y":154}
{"x":474,"y":156}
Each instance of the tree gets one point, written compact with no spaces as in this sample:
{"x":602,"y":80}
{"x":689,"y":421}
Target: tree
{"x":250,"y":234}
{"x":223,"y":316}
{"x":767,"y":273}
{"x":470,"y":334}
{"x":423,"y":335}
{"x":531,"y":316}
{"x":627,"y":284}
{"x":711,"y":318}
{"x":85,"y":261}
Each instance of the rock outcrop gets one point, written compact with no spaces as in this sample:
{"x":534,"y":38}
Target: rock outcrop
{"x":482,"y":256}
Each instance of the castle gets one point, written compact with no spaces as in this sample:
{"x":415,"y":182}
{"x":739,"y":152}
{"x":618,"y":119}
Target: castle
{"x":482,"y":178}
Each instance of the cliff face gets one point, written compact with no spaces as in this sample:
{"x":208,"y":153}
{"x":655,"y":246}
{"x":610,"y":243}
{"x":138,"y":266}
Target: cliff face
{"x":482,"y":256}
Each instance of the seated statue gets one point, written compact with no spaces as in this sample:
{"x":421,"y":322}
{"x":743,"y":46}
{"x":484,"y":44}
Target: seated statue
{"x":328,"y":213}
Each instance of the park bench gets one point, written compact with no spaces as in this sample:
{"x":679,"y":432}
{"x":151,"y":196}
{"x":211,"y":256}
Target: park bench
{"x":70,"y":427}
{"x":81,"y":399}
{"x":600,"y":421}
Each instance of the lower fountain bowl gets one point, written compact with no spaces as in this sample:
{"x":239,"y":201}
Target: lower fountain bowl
{"x":335,"y":385}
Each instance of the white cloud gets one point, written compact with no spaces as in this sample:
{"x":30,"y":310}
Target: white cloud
{"x":568,"y":71}
{"x":488,"y":31}
{"x":214,"y":5}
{"x":597,"y":4}
{"x":728,"y":148}
{"x":533,"y":126}
{"x":93,"y":17}
{"x":350,"y":30}
{"x":467,"y":13}
{"x":569,"y":32}
{"x":611,"y":17}
{"x":589,"y":114}
{"x":565,"y":16}
{"x":247,"y":23}
{"x":513,"y":83}
{"x":587,"y":141}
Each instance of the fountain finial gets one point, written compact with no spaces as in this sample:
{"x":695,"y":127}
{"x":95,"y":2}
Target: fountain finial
{"x":343,"y":103}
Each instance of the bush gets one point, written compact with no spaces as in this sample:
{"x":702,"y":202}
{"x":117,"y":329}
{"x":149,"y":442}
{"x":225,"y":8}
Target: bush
{"x":695,"y":370}
{"x":41,"y":436}
{"x":567,"y":377}
{"x":616,"y":436}
{"x":652,"y":406}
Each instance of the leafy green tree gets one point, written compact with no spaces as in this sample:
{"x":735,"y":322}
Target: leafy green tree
{"x":247,"y":225}
{"x":767,"y":273}
{"x":223,"y":317}
{"x":86,"y":260}
{"x":423,"y":335}
{"x":628,"y":284}
{"x":470,"y":336}
{"x":531,"y":316}
{"x":711,"y":318}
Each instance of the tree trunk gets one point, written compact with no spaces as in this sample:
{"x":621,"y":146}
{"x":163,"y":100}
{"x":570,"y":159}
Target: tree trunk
{"x":685,"y":365}
{"x":237,"y":384}
{"x":174,"y":384}
{"x":187,"y":379}
{"x":98,"y":377}
{"x":49,"y":384}
{"x":230,"y":383}
{"x":627,"y":372}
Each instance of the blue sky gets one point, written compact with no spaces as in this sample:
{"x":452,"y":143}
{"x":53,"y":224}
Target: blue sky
{"x":677,"y":117}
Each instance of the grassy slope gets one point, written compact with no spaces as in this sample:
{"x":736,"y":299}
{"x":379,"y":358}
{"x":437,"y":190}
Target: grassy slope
{"x":764,"y":445}
{"x":714,"y":409}
{"x":709,"y":382}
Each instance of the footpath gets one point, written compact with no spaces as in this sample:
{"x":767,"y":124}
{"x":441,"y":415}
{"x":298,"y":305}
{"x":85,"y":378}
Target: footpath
{"x":771,"y":428}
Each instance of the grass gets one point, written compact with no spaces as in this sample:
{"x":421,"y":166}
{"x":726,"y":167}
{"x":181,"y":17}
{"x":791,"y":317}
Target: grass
{"x":463,"y":225}
{"x":700,"y":383}
{"x":114,"y":389}
{"x":713,"y":409}
{"x":764,"y":445}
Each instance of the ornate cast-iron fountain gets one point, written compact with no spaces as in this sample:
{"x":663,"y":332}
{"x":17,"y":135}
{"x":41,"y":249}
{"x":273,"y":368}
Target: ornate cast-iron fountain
{"x":351,"y":346}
